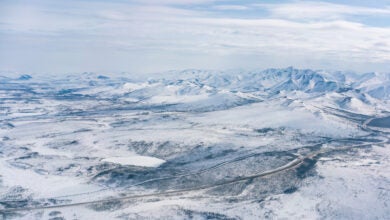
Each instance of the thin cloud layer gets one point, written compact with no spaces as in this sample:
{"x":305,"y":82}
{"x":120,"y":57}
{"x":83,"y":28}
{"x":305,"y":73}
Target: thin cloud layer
{"x":72,"y":36}
{"x":321,"y":10}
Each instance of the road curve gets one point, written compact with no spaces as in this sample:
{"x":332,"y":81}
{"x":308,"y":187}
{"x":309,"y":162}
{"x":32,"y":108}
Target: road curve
{"x":292,"y":164}
{"x":285,"y":167}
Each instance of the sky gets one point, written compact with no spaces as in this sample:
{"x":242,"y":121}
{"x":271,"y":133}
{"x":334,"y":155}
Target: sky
{"x":142,"y":36}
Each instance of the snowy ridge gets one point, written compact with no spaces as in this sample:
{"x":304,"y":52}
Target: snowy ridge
{"x":92,"y":137}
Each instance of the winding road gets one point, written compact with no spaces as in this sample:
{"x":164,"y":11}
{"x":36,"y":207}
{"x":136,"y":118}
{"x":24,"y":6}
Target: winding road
{"x":291,"y":165}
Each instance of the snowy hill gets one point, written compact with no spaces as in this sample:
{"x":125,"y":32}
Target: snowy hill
{"x":195,"y":144}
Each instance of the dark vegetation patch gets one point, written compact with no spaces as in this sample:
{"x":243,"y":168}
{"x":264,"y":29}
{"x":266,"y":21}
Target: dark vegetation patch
{"x":304,"y":170}
{"x":107,"y":206}
{"x":290,"y":190}
{"x":192,"y":214}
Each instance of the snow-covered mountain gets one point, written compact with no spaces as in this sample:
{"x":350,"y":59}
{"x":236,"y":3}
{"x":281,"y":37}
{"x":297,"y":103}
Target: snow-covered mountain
{"x":275,"y":143}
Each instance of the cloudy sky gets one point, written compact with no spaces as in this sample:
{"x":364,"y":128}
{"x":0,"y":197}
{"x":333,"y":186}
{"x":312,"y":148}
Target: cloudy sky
{"x":61,"y":36}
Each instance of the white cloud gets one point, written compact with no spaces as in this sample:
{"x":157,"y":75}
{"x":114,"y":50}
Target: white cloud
{"x":231,"y":7}
{"x":174,"y":2}
{"x":120,"y":36}
{"x":320,"y":10}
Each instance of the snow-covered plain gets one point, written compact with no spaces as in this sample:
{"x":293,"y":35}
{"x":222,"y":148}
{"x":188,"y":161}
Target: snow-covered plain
{"x":182,"y":144}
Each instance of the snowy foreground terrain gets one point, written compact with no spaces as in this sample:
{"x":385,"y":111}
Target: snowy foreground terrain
{"x":277,"y":144}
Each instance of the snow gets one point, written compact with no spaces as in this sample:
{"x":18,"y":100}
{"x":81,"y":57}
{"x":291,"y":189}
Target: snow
{"x":343,"y":191}
{"x":43,"y":186}
{"x":83,"y":137}
{"x":130,"y":87}
{"x":142,"y":161}
{"x":266,"y":114}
